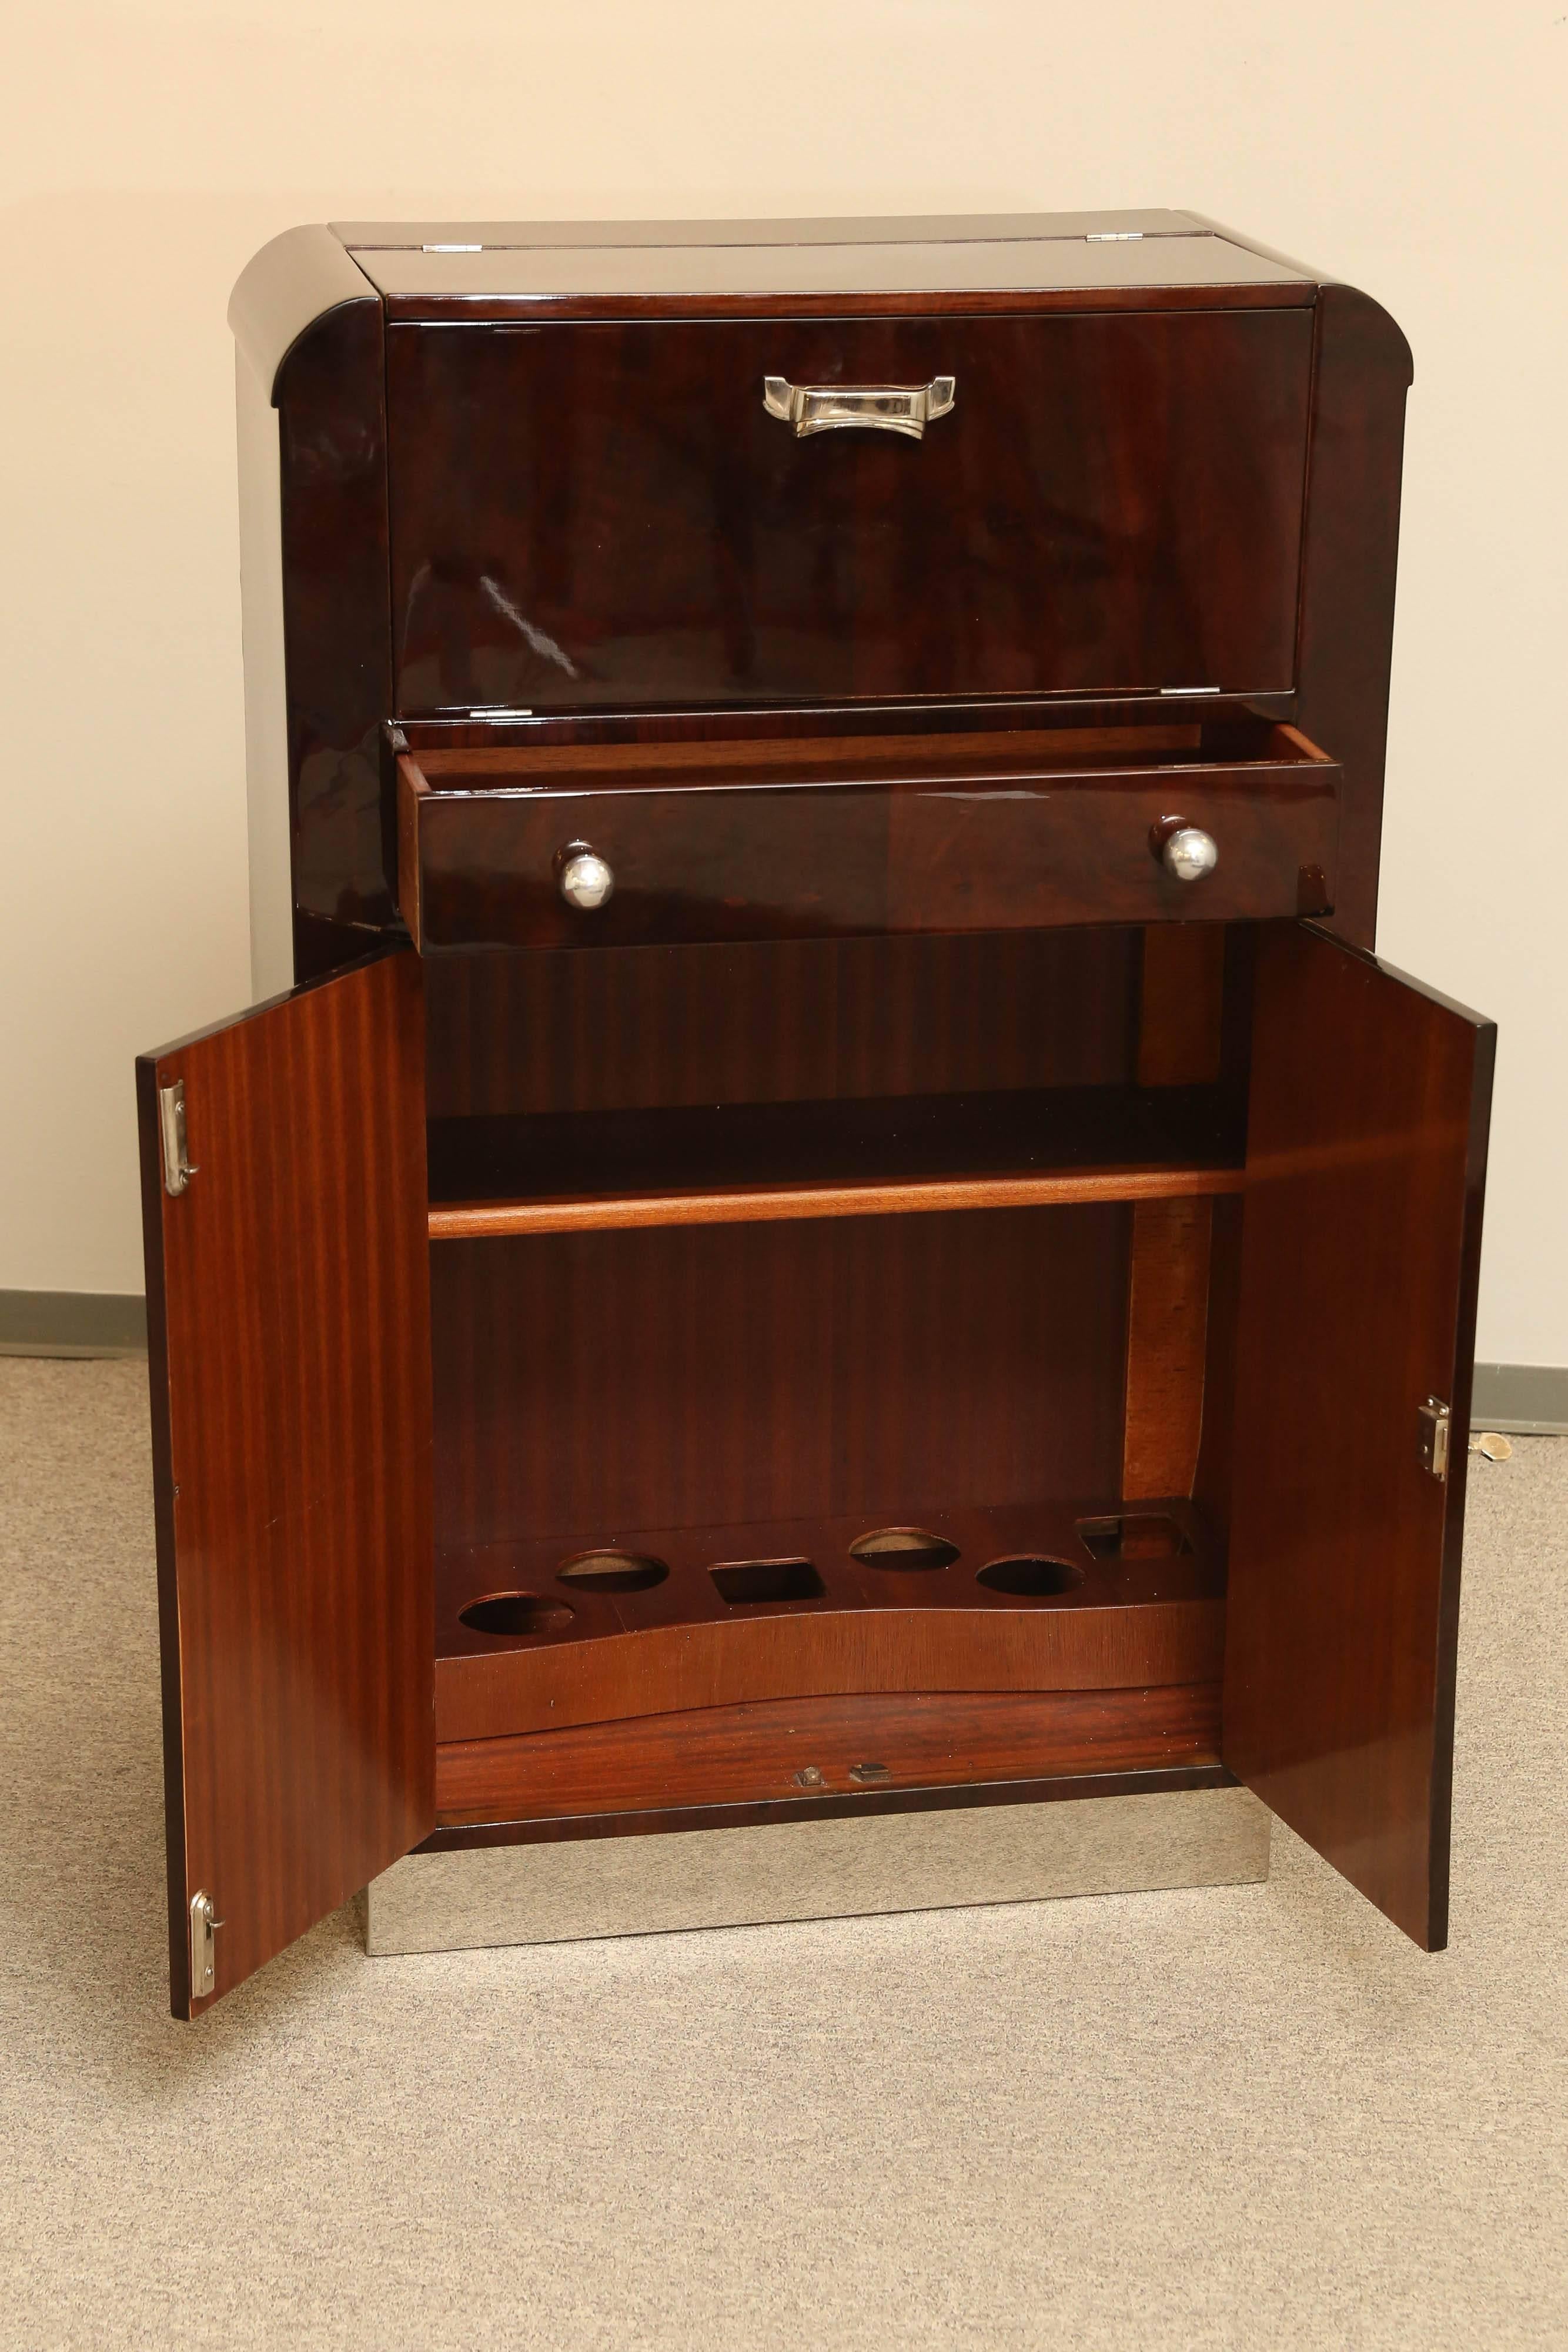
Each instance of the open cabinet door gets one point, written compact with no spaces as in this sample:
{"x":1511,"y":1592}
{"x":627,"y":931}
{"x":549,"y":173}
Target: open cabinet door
{"x":1365,"y":1161}
{"x":288,"y":1321}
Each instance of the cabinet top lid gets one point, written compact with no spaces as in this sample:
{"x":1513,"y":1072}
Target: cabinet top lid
{"x":444,"y":270}
{"x":927,"y":228}
{"x":452,"y":263}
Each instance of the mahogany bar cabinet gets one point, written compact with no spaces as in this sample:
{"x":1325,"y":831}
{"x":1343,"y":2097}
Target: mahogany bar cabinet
{"x":825,"y":1226}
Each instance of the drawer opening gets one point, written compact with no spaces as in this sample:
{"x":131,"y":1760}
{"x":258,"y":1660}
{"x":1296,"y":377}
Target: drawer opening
{"x":583,"y":845}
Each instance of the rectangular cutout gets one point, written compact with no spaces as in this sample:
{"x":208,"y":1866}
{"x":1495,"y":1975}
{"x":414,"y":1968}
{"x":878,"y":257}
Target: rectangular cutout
{"x":748,"y":1584}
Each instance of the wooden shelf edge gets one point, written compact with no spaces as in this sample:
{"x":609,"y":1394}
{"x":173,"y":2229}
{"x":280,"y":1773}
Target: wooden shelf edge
{"x":761,"y":1204}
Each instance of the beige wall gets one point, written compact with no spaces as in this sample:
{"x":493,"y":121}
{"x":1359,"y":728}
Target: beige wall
{"x":149,"y":149}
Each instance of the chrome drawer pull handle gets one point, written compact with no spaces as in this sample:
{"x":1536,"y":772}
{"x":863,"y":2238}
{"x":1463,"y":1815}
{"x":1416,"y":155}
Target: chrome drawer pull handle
{"x":882,"y":407}
{"x":1189,"y":853}
{"x":585,"y":879}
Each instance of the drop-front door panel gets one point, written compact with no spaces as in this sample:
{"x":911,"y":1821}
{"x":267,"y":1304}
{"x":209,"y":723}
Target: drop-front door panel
{"x":590,"y":515}
{"x":1367,"y":1155}
{"x":288,"y":1315}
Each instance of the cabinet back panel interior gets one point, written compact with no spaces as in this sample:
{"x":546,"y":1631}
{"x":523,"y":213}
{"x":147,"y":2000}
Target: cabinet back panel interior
{"x":781,"y":1021}
{"x":738,"y":1373}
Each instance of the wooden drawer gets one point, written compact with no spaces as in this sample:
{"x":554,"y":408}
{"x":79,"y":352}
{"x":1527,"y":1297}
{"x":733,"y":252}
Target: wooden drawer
{"x":609,"y":515}
{"x":833,"y":837}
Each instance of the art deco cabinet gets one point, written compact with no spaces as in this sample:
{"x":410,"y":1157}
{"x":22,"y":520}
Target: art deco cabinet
{"x":825,"y":1212}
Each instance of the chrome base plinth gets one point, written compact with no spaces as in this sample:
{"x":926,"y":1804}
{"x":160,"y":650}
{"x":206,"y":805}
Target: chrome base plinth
{"x":815,"y":1870}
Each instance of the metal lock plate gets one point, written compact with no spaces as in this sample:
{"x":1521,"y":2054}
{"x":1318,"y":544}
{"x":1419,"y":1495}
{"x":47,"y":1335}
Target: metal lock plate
{"x":177,"y":1169}
{"x":1435,"y":1424}
{"x":204,"y":1946}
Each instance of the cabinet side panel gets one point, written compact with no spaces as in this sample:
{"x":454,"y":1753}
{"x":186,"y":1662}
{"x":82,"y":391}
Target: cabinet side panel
{"x":331,"y":396}
{"x":266,"y":693}
{"x":1350,"y":556}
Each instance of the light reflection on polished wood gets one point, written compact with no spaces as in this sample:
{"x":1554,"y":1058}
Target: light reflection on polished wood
{"x":760,"y":1204}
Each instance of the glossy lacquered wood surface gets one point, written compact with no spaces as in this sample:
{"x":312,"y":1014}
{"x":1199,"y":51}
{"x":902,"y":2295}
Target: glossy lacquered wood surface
{"x":1360,"y":1252}
{"x":606,"y":515}
{"x":339,"y":593}
{"x":288,"y":288}
{"x":288,"y":1317}
{"x":1153,"y":1615}
{"x":1362,"y":373}
{"x":330,"y":401}
{"x":994,"y":834}
{"x":754,"y":1752}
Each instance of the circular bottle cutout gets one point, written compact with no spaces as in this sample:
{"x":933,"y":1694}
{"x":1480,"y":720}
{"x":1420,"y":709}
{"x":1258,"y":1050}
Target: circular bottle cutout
{"x":1027,"y":1575}
{"x":613,"y":1571}
{"x":515,"y":1613}
{"x":904,"y":1548}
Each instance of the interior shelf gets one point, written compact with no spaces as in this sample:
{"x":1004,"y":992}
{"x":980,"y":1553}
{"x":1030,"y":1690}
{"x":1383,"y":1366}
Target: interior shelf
{"x":1092,"y":1595}
{"x":750,"y":1162}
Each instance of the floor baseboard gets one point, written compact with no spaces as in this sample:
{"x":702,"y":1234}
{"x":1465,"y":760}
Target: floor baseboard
{"x":1522,"y":1400}
{"x":72,"y":1323}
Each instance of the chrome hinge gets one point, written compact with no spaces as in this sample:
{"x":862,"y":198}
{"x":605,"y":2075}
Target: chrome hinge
{"x":204,"y":1946}
{"x":1115,"y":236}
{"x":1435,"y":1422}
{"x":452,"y":248}
{"x":177,"y":1169}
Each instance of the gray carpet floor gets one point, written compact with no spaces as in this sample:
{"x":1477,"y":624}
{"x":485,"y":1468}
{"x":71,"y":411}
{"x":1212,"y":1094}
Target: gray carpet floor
{"x":1254,"y":2116}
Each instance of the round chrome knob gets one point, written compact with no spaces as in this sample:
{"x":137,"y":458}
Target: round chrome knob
{"x":1189,"y":854}
{"x":586,"y":881}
